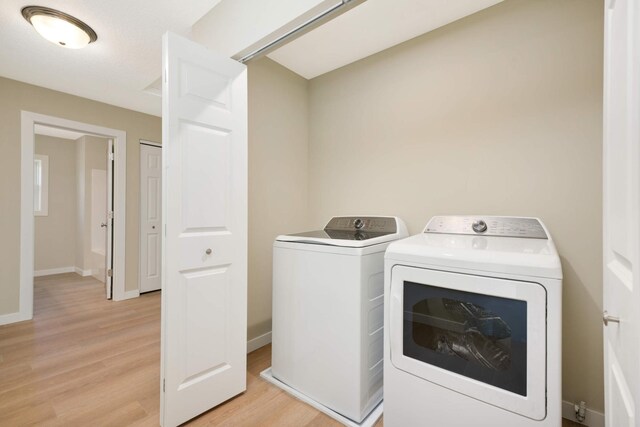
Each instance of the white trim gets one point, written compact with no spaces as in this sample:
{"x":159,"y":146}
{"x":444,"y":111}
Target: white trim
{"x":28,"y":121}
{"x":155,"y":144}
{"x":5,"y":319}
{"x":593,"y":418}
{"x":130,"y":294}
{"x":258,"y":342}
{"x":83,"y":273}
{"x":52,"y":271}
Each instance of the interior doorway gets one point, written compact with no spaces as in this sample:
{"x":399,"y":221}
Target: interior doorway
{"x":115,"y":253}
{"x":72,"y":201}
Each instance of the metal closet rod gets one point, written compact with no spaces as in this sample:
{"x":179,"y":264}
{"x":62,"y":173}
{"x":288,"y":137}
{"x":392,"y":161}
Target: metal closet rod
{"x":316,"y":20}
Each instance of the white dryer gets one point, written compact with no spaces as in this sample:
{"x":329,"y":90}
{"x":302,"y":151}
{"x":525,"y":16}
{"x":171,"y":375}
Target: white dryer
{"x":328,"y":312}
{"x":473,"y":325}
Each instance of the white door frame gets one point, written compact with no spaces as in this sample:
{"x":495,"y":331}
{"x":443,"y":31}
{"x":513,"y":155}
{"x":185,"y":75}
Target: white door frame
{"x":28,"y":121}
{"x":153,"y":144}
{"x":621,"y":209}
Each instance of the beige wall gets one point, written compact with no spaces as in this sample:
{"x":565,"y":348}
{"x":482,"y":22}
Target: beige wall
{"x":55,"y":233}
{"x":499,"y":113}
{"x":16,"y":96}
{"x":278,"y":101}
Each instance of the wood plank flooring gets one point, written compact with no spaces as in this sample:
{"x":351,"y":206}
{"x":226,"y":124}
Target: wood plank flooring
{"x":86,"y":361}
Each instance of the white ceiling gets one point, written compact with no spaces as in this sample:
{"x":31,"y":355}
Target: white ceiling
{"x":57,"y":132}
{"x":369,"y":28}
{"x":123,"y":66}
{"x":118,"y":67}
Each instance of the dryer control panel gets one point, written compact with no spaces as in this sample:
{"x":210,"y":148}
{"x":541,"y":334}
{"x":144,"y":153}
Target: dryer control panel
{"x":529,"y":228}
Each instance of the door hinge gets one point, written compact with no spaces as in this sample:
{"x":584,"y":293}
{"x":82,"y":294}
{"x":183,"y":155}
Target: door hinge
{"x":110,"y":214}
{"x":109,"y":273}
{"x":163,"y":385}
{"x":111,"y":156}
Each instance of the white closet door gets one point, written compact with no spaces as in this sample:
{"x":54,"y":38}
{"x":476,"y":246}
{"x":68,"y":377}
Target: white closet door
{"x":204,"y":288}
{"x":150,"y":217}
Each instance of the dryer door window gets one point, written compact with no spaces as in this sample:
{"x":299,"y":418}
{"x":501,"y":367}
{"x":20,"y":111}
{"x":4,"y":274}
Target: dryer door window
{"x":484,"y":337}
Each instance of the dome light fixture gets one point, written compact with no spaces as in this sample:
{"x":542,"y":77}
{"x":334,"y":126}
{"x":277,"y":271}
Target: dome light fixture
{"x":59,"y":27}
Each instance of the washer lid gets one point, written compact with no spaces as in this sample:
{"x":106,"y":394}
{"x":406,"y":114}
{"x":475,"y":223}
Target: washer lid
{"x":352,"y":231}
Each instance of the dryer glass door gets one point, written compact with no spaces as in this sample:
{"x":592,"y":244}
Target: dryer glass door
{"x":480,"y":336}
{"x":483,"y":337}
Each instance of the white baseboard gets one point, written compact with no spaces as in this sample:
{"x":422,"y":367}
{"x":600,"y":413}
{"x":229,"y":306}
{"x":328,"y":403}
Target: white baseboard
{"x":50,"y":271}
{"x":83,"y":273}
{"x":5,"y":319}
{"x":592,"y":419}
{"x":257,"y":342}
{"x":130,"y":294}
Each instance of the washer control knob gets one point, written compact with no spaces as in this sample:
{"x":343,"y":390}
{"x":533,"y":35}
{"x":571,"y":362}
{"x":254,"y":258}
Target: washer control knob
{"x":479,"y":226}
{"x":358,"y":223}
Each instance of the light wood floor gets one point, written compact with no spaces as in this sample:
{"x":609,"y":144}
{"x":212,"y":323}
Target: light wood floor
{"x":86,"y":361}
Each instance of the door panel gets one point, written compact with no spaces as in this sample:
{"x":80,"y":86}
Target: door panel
{"x":204,"y":301}
{"x":150,"y":217}
{"x":206,"y":294}
{"x":201,"y":144}
{"x":621,"y":210}
{"x":622,"y":410}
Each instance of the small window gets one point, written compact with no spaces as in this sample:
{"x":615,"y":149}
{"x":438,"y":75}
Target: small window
{"x":41,"y":185}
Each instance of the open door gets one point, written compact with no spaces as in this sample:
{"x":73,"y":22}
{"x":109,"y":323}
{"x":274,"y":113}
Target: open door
{"x":204,"y":198}
{"x":108,"y":283}
{"x":621,"y":212}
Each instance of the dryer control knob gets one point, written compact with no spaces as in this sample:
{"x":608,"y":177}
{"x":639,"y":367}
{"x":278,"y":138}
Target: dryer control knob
{"x":358,"y":223}
{"x":479,"y":226}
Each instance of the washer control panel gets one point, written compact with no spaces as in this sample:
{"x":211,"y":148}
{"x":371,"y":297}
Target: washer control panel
{"x":375,"y":224}
{"x":529,"y":228}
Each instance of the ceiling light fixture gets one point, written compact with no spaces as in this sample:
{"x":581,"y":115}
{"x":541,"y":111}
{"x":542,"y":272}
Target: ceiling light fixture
{"x":59,"y":27}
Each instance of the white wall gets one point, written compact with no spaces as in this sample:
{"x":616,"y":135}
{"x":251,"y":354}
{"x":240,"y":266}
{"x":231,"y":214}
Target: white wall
{"x":499,"y":113}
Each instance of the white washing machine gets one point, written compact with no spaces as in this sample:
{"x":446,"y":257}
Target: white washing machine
{"x":328,"y":312}
{"x":473,"y":325}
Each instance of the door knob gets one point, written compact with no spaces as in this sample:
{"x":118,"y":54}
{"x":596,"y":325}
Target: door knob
{"x":208,"y":251}
{"x":104,"y":224}
{"x":606,"y":318}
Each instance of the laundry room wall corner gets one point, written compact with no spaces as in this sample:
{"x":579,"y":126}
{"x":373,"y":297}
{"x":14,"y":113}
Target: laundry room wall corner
{"x":278,"y":163}
{"x":499,"y":113}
